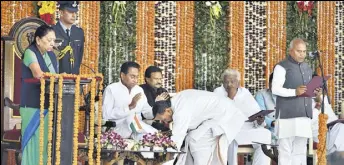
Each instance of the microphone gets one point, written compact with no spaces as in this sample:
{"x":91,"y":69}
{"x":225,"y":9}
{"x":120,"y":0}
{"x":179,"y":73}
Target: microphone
{"x":58,"y":42}
{"x":314,"y":54}
{"x":88,"y":68}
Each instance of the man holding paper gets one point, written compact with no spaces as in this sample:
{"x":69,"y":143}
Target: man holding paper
{"x":251,"y":131}
{"x":293,"y":113}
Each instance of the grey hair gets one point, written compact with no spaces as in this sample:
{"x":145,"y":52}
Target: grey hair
{"x":292,"y":42}
{"x":231,"y":72}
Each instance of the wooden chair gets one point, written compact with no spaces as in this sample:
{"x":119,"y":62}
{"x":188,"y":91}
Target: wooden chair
{"x":242,"y":151}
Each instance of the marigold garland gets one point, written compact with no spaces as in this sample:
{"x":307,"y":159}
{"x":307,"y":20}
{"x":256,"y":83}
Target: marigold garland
{"x":89,"y":21}
{"x":184,"y":48}
{"x":76,"y":120}
{"x":326,"y":42}
{"x":41,"y":121}
{"x":321,"y":151}
{"x":59,"y":118}
{"x":76,"y":117}
{"x":145,"y":36}
{"x":236,"y":40}
{"x":276,"y":35}
{"x":89,"y":14}
{"x":91,"y":140}
{"x":50,"y":113}
{"x":99,"y":116}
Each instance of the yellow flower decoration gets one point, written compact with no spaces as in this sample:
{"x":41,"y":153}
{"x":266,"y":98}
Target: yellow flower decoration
{"x":94,"y":79}
{"x":47,"y":7}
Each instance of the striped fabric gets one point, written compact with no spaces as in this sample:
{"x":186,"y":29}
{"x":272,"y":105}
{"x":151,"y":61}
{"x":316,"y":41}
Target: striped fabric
{"x":135,"y":125}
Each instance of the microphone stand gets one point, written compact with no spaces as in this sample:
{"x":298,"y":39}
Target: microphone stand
{"x":324,"y":85}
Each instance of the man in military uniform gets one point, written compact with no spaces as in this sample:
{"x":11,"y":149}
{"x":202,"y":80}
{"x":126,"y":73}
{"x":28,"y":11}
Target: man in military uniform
{"x":72,"y":48}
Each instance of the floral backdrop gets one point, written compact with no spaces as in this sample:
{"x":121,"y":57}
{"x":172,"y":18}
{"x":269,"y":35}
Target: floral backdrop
{"x":193,"y":42}
{"x":210,"y":45}
{"x":165,"y":41}
{"x":117,"y":37}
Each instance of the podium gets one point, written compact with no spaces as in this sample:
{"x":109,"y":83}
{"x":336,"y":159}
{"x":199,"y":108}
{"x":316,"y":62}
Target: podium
{"x":67,"y":116}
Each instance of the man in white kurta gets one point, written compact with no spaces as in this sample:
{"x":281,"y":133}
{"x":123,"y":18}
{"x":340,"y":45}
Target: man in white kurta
{"x":293,"y":119}
{"x":335,"y":134}
{"x":251,"y":131}
{"x":207,"y":122}
{"x":125,"y":99}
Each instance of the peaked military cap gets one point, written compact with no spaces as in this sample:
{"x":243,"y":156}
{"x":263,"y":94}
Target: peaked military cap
{"x":68,"y":5}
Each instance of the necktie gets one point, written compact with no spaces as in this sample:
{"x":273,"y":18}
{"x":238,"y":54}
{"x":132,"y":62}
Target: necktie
{"x":71,"y":54}
{"x":67,"y":31}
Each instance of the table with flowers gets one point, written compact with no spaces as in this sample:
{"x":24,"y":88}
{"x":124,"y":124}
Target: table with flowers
{"x":152,"y":149}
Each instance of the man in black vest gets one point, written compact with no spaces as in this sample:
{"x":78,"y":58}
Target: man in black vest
{"x":72,"y":47}
{"x":293,"y":113}
{"x":154,"y":91}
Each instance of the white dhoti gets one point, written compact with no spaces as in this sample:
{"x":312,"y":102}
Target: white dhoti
{"x":207,"y":150}
{"x":292,"y":151}
{"x":292,"y":140}
{"x":335,"y":138}
{"x":247,"y":135}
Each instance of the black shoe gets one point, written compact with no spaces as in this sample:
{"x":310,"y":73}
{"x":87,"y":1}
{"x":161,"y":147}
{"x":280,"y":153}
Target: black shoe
{"x":8,"y":102}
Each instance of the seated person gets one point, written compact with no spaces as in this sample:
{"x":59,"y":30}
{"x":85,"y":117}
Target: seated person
{"x":335,"y":134}
{"x":154,"y":92}
{"x":244,"y":100}
{"x":267,"y":101}
{"x":125,"y":101}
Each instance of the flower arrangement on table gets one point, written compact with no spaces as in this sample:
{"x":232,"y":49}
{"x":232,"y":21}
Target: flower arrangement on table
{"x":111,"y":139}
{"x":157,"y":141}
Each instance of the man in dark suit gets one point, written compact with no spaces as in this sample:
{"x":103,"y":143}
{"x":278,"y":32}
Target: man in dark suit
{"x":154,"y":91}
{"x":72,"y":47}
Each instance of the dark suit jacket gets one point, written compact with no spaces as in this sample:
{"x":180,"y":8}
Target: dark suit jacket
{"x":151,"y":94}
{"x":77,"y":40}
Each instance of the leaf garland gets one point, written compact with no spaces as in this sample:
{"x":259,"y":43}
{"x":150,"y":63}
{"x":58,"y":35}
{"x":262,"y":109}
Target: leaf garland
{"x":117,"y":39}
{"x":210,"y":47}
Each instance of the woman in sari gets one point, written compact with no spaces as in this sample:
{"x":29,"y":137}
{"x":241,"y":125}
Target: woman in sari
{"x":37,"y":59}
